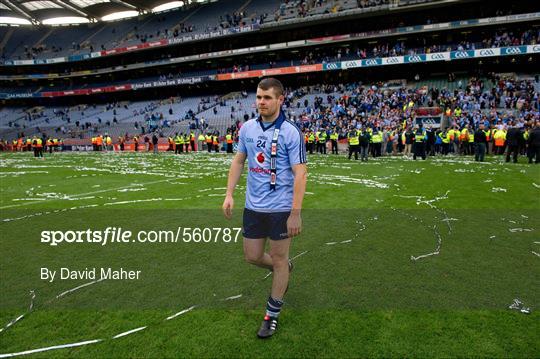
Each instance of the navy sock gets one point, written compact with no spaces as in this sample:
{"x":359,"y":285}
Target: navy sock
{"x":273,"y":307}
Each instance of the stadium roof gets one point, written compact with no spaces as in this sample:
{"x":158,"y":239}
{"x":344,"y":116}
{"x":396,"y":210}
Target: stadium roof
{"x":56,"y":12}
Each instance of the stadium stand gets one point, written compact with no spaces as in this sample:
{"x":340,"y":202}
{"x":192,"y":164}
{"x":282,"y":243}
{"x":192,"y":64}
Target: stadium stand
{"x":352,"y":101}
{"x":45,"y":42}
{"x":353,"y":51}
{"x":310,"y":107}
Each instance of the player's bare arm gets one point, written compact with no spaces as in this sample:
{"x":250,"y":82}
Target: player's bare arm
{"x":237,"y":166}
{"x":294,"y":223}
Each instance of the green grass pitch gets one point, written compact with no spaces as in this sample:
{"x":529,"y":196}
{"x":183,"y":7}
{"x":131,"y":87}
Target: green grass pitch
{"x":397,"y":258}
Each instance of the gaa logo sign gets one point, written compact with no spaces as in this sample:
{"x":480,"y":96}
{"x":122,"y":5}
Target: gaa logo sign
{"x":488,"y":52}
{"x":536,"y":48}
{"x":437,"y":56}
{"x":414,"y":59}
{"x":392,"y":60}
{"x":350,"y":64}
{"x":372,"y":62}
{"x":332,"y":66}
{"x":428,"y":122}
{"x":461,"y":55}
{"x":512,"y":51}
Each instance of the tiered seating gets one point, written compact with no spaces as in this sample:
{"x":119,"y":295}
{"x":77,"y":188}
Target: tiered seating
{"x":207,"y":18}
{"x":8,"y":114}
{"x":294,"y":9}
{"x":260,"y":7}
{"x":19,"y":39}
{"x":119,"y":33}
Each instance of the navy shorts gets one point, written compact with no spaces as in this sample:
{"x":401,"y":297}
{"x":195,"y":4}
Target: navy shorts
{"x":263,"y":225}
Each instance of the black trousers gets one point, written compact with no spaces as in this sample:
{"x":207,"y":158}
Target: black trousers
{"x":430,"y":149}
{"x":364,"y":152}
{"x":376,"y":149}
{"x":419,"y":150}
{"x":532,"y":152}
{"x":513,"y":151}
{"x":322,"y":147}
{"x":445,"y":148}
{"x":177,"y":148}
{"x":334,"y":147}
{"x":209,"y":145}
{"x":229,"y":148}
{"x":353,"y":149}
{"x":479,"y":151}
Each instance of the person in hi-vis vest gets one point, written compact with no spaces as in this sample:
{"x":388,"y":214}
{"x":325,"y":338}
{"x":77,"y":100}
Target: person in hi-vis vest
{"x":229,"y":141}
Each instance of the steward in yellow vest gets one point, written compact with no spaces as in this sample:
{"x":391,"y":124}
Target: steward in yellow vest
{"x":353,"y":137}
{"x":334,"y":140}
{"x":229,"y":141}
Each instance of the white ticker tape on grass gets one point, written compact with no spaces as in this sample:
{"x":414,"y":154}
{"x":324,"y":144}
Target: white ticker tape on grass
{"x":514,"y":230}
{"x":181,"y":312}
{"x":299,"y":255}
{"x":519,"y":306}
{"x":79,"y":287}
{"x":40,"y":350}
{"x":446,"y":219}
{"x":121,"y":335}
{"x":30,"y":308}
{"x":129,"y":332}
{"x":78,"y":344}
{"x":33,"y":296}
{"x":437,"y":249}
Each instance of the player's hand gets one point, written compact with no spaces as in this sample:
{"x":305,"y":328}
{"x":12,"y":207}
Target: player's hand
{"x":294,"y":224}
{"x":227,"y":207}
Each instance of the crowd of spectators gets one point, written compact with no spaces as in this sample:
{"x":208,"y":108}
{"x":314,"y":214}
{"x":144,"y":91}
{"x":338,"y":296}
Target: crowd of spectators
{"x":356,"y":51}
{"x":376,"y":106}
{"x":495,"y":101}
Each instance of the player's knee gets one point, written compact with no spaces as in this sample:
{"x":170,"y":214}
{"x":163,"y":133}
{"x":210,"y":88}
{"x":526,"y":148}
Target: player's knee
{"x":252,"y":258}
{"x":279,"y":259}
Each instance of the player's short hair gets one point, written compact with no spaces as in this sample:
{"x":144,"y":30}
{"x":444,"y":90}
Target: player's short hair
{"x":270,"y":82}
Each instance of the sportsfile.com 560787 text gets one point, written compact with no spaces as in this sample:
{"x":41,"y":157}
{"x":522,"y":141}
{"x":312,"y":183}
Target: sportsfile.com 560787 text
{"x":121,"y":236}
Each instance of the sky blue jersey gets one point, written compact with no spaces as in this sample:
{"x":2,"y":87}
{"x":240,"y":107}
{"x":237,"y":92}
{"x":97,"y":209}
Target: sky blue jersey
{"x":255,"y":140}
